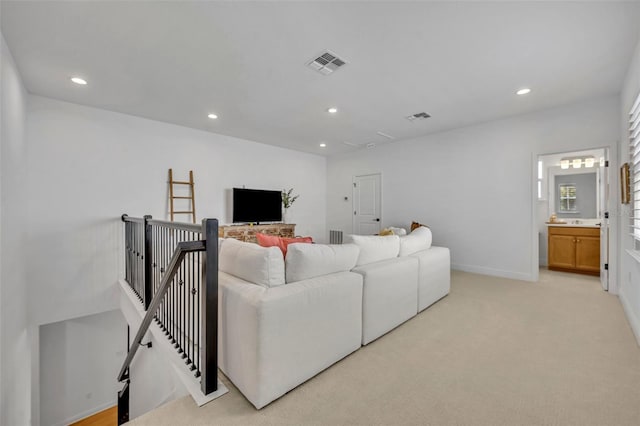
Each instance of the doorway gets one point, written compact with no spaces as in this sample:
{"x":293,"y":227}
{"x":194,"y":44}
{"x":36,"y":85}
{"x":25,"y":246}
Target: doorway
{"x":367,"y":204}
{"x":573,"y":194}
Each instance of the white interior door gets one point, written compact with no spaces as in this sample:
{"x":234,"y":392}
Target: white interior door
{"x":367,"y":193}
{"x":603,"y":214}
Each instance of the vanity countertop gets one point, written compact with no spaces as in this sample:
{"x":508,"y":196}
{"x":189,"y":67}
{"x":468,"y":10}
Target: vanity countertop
{"x":573,"y":225}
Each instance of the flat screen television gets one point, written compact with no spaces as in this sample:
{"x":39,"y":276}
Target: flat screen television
{"x":256,"y":205}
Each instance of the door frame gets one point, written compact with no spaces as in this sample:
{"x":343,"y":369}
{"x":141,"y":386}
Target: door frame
{"x":612,"y":153}
{"x":353,"y":198}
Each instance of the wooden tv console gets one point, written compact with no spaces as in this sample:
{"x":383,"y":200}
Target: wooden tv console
{"x":248,"y":232}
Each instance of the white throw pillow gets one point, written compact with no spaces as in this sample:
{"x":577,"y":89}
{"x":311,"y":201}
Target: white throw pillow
{"x":419,"y":239}
{"x":375,"y":248}
{"x":306,"y":261}
{"x":398,"y":231}
{"x":249,"y":261}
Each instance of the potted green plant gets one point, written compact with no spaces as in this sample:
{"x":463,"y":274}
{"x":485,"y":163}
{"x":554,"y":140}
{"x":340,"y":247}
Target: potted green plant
{"x":287,"y":201}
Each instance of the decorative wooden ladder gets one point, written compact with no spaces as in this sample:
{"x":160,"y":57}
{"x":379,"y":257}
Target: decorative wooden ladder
{"x":191,"y":196}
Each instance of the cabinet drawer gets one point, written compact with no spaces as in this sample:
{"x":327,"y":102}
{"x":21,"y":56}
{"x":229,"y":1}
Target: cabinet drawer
{"x":587,"y":232}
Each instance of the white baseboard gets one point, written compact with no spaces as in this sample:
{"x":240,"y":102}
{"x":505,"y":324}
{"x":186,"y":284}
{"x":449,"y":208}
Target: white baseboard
{"x":492,"y":272}
{"x":88,"y":413}
{"x":634,"y":321}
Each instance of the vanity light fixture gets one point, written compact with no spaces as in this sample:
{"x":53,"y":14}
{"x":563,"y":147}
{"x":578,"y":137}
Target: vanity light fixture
{"x":332,"y":110}
{"x":78,"y":80}
{"x":212,"y":116}
{"x":523,"y":91}
{"x":323,"y":145}
{"x":577,"y":163}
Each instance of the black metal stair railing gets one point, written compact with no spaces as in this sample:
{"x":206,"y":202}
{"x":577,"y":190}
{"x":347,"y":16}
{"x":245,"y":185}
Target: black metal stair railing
{"x":179,"y":313}
{"x":134,"y":231}
{"x":166,"y":266}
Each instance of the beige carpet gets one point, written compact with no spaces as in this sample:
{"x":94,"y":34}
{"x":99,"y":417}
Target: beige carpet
{"x":494,"y":352}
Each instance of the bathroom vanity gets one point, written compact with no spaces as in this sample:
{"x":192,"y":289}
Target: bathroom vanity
{"x":574,"y":248}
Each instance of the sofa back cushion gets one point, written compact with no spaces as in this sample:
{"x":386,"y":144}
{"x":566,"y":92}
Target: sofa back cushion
{"x":249,"y":261}
{"x":419,"y":239}
{"x":306,"y":261}
{"x":375,"y":248}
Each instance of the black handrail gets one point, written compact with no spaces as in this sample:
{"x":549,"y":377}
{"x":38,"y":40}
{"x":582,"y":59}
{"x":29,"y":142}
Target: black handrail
{"x":182,"y":249}
{"x":126,"y":218}
{"x":190,"y":227}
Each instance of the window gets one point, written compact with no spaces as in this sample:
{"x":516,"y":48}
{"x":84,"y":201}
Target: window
{"x":634,"y":137}
{"x":568,"y":197}
{"x":540,"y":179}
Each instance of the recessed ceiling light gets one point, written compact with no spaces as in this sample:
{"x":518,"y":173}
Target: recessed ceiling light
{"x":332,"y":110}
{"x":78,"y":80}
{"x":323,"y":145}
{"x":523,"y":91}
{"x":212,"y":116}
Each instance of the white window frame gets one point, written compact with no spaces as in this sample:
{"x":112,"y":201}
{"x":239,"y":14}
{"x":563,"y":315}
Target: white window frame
{"x":634,"y":172}
{"x":541,"y":192}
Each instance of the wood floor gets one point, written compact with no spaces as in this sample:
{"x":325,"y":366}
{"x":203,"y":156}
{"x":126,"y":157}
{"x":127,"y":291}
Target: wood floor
{"x":108,"y":417}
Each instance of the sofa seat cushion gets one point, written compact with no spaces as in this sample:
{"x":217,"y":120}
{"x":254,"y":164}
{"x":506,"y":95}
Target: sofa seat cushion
{"x":249,"y":261}
{"x":374,"y":248}
{"x":305,"y":261}
{"x":419,"y":239}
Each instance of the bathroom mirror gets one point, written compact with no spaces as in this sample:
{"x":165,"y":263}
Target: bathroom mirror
{"x":574,"y":193}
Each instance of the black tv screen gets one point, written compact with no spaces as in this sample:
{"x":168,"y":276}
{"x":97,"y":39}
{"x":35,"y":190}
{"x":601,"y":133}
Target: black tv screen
{"x":256,"y":205}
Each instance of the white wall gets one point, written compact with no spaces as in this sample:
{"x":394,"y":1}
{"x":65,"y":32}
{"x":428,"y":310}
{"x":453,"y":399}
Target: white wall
{"x":74,"y":356}
{"x":474,"y":185}
{"x":15,"y":358}
{"x":629,"y":267}
{"x":88,"y":166}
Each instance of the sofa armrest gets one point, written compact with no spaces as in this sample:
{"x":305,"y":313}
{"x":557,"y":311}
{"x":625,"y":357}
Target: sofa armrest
{"x":273,"y":339}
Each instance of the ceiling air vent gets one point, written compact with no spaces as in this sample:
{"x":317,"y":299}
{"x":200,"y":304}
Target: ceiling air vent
{"x":418,"y":116}
{"x":326,"y":63}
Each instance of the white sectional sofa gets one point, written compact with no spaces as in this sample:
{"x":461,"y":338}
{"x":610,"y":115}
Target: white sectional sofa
{"x":282,"y":321}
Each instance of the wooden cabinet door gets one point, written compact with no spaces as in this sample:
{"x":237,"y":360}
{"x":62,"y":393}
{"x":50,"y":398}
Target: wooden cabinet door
{"x":588,"y":253}
{"x":562,"y":251}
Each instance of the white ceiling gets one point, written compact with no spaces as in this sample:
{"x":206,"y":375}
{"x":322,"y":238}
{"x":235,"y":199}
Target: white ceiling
{"x":461,"y":62}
